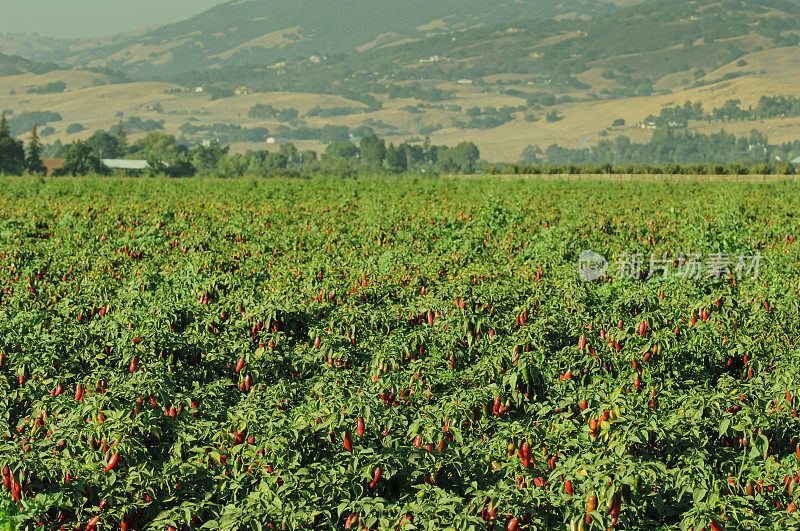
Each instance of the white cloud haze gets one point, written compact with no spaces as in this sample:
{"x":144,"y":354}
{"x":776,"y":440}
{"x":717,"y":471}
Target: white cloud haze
{"x":92,"y":18}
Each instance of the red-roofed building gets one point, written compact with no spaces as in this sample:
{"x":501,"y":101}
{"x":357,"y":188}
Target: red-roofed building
{"x":52,"y":165}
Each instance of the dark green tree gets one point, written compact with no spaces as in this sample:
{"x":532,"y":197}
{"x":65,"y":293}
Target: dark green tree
{"x":289,"y":150}
{"x":275,"y":161}
{"x":206,"y":158}
{"x":12,"y":152}
{"x":80,"y":159}
{"x":308,"y":156}
{"x":396,"y":159}
{"x":33,"y":161}
{"x":334,"y":133}
{"x":119,"y":132}
{"x":460,"y":159}
{"x":341,"y":150}
{"x":373,"y":150}
{"x":162,"y":146}
{"x":105,"y":145}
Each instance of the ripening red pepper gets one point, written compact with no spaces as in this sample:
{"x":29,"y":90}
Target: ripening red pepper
{"x":377,"y":477}
{"x":715,"y":526}
{"x":134,"y":363}
{"x":79,"y":393}
{"x":240,"y":365}
{"x":526,"y":454}
{"x":348,"y":441}
{"x":360,"y":427}
{"x":112,"y":463}
{"x":592,"y":506}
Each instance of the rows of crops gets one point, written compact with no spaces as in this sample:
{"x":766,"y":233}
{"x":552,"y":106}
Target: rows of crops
{"x":394,"y":355}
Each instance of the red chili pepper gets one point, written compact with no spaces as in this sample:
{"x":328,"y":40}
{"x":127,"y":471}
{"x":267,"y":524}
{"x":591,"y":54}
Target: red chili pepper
{"x":377,"y":477}
{"x":112,"y":462}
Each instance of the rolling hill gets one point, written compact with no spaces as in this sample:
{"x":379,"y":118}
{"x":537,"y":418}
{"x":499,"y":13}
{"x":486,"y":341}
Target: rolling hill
{"x":504,"y":82}
{"x":267,"y":31}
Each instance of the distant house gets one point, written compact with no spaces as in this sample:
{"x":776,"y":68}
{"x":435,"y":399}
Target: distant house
{"x":125,"y":165}
{"x":198,"y":89}
{"x":796,"y":161}
{"x":243,"y":91}
{"x":52,"y":165}
{"x":465,"y":82}
{"x":431,"y":59}
{"x":151,"y":107}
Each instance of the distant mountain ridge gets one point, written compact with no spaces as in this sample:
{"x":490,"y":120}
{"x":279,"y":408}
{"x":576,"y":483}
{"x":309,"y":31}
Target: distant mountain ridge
{"x":631,"y":51}
{"x":266,"y":31}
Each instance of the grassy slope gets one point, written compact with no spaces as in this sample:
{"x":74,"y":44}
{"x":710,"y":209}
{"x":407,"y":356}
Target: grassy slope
{"x":500,"y":144}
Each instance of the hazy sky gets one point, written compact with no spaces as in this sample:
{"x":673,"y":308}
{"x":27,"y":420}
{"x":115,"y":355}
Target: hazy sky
{"x":92,"y":18}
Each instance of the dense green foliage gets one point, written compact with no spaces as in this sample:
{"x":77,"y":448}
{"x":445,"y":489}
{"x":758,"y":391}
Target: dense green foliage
{"x":224,"y":132}
{"x":731,"y":110}
{"x":80,"y":159}
{"x":241,"y":355}
{"x":54,"y":87}
{"x":12,"y":151}
{"x":11,"y":65}
{"x":23,"y":122}
{"x":672,"y":146}
{"x":33,"y":157}
{"x":263,"y":111}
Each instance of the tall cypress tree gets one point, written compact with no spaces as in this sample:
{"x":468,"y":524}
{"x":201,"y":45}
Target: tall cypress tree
{"x":121,"y":135}
{"x":34,"y":160}
{"x":4,"y":130}
{"x":12,"y":152}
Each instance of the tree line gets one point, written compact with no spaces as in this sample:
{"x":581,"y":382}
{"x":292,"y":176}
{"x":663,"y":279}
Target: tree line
{"x":168,"y":156}
{"x":761,"y":168}
{"x":731,"y":110}
{"x":669,"y":146}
